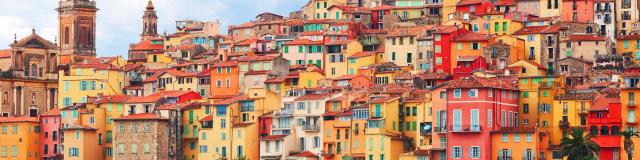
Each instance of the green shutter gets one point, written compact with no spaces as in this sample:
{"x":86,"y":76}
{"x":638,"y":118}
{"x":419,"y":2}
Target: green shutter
{"x":286,"y":49}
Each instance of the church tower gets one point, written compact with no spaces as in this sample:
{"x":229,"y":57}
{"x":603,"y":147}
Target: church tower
{"x":77,"y":27}
{"x":149,"y":23}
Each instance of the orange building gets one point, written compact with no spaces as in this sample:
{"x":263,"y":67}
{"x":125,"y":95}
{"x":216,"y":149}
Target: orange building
{"x":20,"y":138}
{"x":469,"y":44}
{"x":515,"y":143}
{"x":224,"y":80}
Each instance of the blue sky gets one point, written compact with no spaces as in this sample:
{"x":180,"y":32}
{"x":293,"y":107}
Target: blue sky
{"x":119,"y":21}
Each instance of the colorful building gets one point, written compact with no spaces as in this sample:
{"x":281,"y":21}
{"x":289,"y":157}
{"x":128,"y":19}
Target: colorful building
{"x":20,"y":138}
{"x":50,"y":139}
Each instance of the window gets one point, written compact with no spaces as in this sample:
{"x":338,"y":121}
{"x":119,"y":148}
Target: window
{"x":457,"y":93}
{"x":473,"y":93}
{"x":516,"y":137}
{"x":475,"y":152}
{"x":529,"y":137}
{"x":456,"y":152}
{"x":457,"y":120}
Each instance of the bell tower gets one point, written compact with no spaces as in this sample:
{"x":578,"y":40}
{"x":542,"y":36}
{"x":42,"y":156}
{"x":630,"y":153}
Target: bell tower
{"x":149,"y":22}
{"x":77,"y":27}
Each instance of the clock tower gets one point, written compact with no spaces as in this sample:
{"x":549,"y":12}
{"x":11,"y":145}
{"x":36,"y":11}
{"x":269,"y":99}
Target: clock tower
{"x":77,"y":28}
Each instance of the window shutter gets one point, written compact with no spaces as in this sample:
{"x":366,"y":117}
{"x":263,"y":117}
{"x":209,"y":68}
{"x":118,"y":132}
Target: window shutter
{"x":500,"y":154}
{"x":438,"y":119}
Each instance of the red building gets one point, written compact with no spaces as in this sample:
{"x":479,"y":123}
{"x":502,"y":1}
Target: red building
{"x":467,"y":64}
{"x":343,"y":30}
{"x":50,"y":137}
{"x":604,"y":122}
{"x":377,"y":15}
{"x":265,"y":124}
{"x":577,"y":11}
{"x":442,"y":37}
{"x":478,"y":7}
{"x":476,"y":107}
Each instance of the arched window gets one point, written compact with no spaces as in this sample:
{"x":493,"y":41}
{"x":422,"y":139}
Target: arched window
{"x":66,"y":35}
{"x":34,"y":70}
{"x":5,"y":97}
{"x":83,"y":36}
{"x":593,"y":131}
{"x":145,"y":27}
{"x":604,"y":130}
{"x":615,"y":130}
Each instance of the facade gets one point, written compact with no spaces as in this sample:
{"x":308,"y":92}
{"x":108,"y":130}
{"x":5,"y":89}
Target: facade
{"x":143,"y":136}
{"x":30,"y":80}
{"x":50,"y":134}
{"x":17,"y":131}
{"x":99,"y":76}
{"x":77,"y":29}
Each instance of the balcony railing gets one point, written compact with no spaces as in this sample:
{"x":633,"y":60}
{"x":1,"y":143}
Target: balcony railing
{"x":310,"y":128}
{"x":563,"y":124}
{"x":425,"y":133}
{"x":440,"y":130}
{"x":631,"y":104}
{"x":465,"y":128}
{"x":505,"y":158}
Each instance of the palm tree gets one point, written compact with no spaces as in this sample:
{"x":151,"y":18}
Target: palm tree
{"x":579,"y":146}
{"x":628,"y":144}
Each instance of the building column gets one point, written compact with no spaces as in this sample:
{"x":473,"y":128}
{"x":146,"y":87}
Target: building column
{"x":47,"y":104}
{"x":15,"y":101}
{"x":21,"y":101}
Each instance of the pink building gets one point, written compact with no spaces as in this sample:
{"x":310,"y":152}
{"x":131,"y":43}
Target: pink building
{"x":478,"y":7}
{"x":50,"y":137}
{"x":475,"y":107}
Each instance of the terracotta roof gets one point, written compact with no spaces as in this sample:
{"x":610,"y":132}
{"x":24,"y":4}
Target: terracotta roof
{"x":340,"y":42}
{"x":134,"y":87}
{"x":175,"y":106}
{"x":256,"y":72}
{"x":275,"y":80}
{"x":505,"y":3}
{"x":207,"y":118}
{"x":384,"y":99}
{"x":304,"y":42}
{"x":576,"y":96}
{"x":226,"y":64}
{"x":468,"y":2}
{"x":602,"y":103}
{"x":273,"y":137}
{"x":304,"y":154}
{"x":509,"y":83}
{"x":431,"y":75}
{"x":5,"y":53}
{"x":52,"y":112}
{"x":408,"y":31}
{"x":381,"y":7}
{"x":445,"y":29}
{"x":178,"y":73}
{"x":471,"y":37}
{"x":535,"y":64}
{"x":129,"y":67}
{"x":374,"y":31}
{"x":155,"y":76}
{"x":253,"y":58}
{"x":231,"y":100}
{"x":538,"y":30}
{"x":145,"y":45}
{"x":141,"y":116}
{"x":629,"y":36}
{"x":347,"y":77}
{"x":78,"y":127}
{"x":157,"y":96}
{"x":18,"y":119}
{"x":311,"y":33}
{"x":307,"y":97}
{"x":247,"y":42}
{"x":294,"y":22}
{"x":587,"y":37}
{"x":204,"y":73}
{"x":362,"y":54}
{"x":243,"y":25}
{"x":113,"y":99}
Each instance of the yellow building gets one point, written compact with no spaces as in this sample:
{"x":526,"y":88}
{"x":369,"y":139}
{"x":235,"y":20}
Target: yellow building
{"x":515,"y":142}
{"x":318,"y":9}
{"x":182,"y":81}
{"x":80,"y":142}
{"x":89,"y":79}
{"x":336,"y":56}
{"x":361,"y":59}
{"x":383,"y":130}
{"x":310,"y":79}
{"x":629,"y":44}
{"x":20,"y":138}
{"x":499,"y":25}
{"x":569,"y":110}
{"x":191,"y":114}
{"x":107,"y":108}
{"x":629,"y":102}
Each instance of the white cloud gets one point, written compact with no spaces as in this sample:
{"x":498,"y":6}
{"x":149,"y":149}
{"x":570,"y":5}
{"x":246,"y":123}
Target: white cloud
{"x":119,"y":21}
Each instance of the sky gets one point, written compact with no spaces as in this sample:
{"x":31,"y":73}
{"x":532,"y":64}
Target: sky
{"x":119,"y":22}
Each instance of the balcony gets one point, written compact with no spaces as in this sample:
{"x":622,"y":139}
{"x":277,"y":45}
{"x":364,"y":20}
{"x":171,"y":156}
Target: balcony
{"x":505,"y":158}
{"x":583,"y":111}
{"x":631,"y":104}
{"x":425,"y":132}
{"x":311,"y":128}
{"x":563,"y":124}
{"x":465,"y":128}
{"x":440,"y":130}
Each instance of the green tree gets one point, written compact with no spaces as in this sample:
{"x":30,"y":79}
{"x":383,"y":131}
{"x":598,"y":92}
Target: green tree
{"x":628,"y":144}
{"x":579,"y":146}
